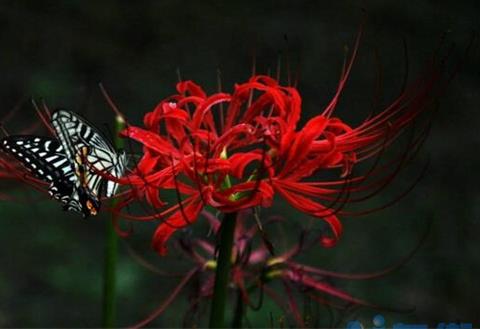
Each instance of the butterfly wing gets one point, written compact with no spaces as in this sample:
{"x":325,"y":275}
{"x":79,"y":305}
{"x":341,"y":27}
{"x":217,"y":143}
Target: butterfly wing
{"x":76,"y":135}
{"x":45,"y":158}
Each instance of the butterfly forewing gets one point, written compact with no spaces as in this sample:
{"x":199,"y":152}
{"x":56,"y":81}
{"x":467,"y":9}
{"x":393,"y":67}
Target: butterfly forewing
{"x":75,"y":134}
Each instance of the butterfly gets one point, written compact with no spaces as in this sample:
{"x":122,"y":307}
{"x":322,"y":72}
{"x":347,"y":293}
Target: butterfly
{"x":72,"y":163}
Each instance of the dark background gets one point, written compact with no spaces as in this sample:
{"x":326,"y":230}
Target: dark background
{"x":51,"y":261}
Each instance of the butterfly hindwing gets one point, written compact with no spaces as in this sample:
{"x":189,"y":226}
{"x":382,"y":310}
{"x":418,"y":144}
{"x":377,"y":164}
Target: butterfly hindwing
{"x":45,"y":159}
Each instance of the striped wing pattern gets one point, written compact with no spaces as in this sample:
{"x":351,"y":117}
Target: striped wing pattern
{"x":75,"y":134}
{"x":71,"y":163}
{"x":45,"y":159}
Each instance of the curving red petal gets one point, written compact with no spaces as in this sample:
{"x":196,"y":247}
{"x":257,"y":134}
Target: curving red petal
{"x":183,"y":217}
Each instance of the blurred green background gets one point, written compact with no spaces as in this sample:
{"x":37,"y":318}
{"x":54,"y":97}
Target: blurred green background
{"x":52,"y":262}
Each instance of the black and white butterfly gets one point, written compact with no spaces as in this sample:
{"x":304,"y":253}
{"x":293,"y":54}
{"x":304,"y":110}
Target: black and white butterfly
{"x":72,"y":163}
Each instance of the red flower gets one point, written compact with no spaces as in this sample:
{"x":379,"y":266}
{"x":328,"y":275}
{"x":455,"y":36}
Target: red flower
{"x":254,"y":270}
{"x":235,"y":151}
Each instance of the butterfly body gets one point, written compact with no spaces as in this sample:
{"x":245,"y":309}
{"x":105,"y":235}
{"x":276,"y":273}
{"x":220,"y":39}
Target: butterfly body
{"x":71,"y":163}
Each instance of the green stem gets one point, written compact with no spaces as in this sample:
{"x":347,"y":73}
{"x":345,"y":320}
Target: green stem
{"x":222,"y":273}
{"x":238,"y":315}
{"x":109,"y":277}
{"x":110,"y":266}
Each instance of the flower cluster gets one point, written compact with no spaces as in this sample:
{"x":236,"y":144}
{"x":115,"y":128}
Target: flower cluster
{"x":256,"y":272}
{"x":233,"y":151}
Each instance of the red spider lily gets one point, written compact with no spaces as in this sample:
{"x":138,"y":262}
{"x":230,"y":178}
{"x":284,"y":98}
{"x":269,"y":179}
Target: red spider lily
{"x":234,"y":151}
{"x":255,"y":270}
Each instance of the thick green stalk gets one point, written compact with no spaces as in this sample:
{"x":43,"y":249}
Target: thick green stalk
{"x":238,"y":314}
{"x":110,"y":266}
{"x":222,"y":272}
{"x":109,"y":277}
